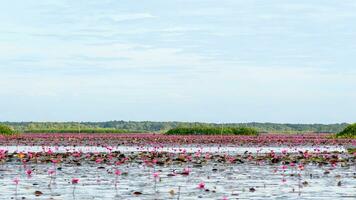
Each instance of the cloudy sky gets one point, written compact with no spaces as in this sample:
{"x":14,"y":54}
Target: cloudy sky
{"x":186,"y":60}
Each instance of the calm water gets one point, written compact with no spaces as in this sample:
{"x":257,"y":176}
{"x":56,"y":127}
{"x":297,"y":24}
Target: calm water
{"x":189,"y":149}
{"x":233,"y":181}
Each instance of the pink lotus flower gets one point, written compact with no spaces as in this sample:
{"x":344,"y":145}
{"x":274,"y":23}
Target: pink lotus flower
{"x":301,"y":167}
{"x":16,"y":181}
{"x":118,"y":172}
{"x":190,"y":158}
{"x":187,"y":170}
{"x":28,"y":172}
{"x":201,"y":185}
{"x":30,"y":155}
{"x":75,"y":181}
{"x":51,"y":171}
{"x":99,"y":160}
{"x":109,"y":148}
{"x":284,"y":167}
{"x":118,"y":163}
{"x":50,"y":152}
{"x":55,"y":161}
{"x":207,"y":156}
{"x":77,"y":155}
{"x":156,"y":175}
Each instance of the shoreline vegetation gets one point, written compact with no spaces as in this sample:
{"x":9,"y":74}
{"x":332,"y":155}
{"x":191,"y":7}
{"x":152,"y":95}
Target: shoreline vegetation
{"x":6,"y":130}
{"x":163,"y":127}
{"x":212,"y":131}
{"x":12,"y":128}
{"x":348,"y":132}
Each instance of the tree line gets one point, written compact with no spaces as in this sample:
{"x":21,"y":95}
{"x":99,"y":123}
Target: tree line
{"x":150,"y":126}
{"x":212,"y":131}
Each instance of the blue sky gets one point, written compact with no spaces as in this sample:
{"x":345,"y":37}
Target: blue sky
{"x":186,"y":60}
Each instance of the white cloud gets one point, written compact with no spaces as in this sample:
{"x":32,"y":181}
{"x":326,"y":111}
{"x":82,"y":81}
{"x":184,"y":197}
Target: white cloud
{"x":131,"y":16}
{"x":228,"y":56}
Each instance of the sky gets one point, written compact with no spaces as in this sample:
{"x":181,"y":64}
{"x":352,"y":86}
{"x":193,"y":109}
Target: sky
{"x":179,"y":60}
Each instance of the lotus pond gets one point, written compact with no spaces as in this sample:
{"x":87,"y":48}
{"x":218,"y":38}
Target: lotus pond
{"x":153,"y":166}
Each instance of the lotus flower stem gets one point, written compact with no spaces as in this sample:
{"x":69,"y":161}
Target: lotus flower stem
{"x":178,"y":193}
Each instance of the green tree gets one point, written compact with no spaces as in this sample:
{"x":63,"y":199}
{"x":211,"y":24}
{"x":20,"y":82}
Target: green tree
{"x":348,"y":132}
{"x":6,"y":130}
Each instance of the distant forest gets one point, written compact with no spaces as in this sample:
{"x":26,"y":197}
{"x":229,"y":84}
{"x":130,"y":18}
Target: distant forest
{"x":148,"y":126}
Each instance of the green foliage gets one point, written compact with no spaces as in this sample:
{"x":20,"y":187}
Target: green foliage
{"x":6,"y":130}
{"x":348,"y":132}
{"x":148,"y":126}
{"x":212,"y":131}
{"x":244,"y":131}
{"x":351,"y":150}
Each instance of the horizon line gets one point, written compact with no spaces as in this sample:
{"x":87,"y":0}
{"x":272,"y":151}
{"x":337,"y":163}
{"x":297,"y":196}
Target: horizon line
{"x":176,"y":121}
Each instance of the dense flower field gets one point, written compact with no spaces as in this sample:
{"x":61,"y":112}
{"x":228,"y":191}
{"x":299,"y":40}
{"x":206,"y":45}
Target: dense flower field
{"x":71,"y":139}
